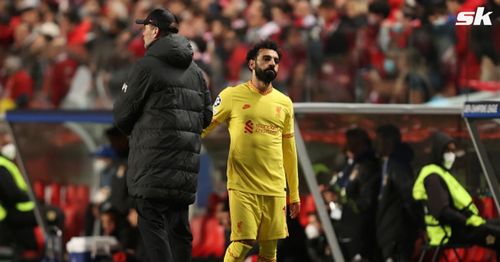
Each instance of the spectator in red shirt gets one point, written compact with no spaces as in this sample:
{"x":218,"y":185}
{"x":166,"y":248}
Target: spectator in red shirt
{"x":19,"y":84}
{"x":59,"y":73}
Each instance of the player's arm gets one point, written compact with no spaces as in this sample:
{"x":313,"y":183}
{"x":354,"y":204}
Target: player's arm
{"x":222,"y":110}
{"x":290,"y":163}
{"x":129,"y":104}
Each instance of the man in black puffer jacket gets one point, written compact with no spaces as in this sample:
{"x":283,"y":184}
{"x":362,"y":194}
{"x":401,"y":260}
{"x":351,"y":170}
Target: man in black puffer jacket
{"x":163,"y":107}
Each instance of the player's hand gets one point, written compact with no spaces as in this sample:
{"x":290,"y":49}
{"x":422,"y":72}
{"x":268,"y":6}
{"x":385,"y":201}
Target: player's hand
{"x":294,"y":209}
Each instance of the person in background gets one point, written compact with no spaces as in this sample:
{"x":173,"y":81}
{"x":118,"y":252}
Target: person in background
{"x":450,"y":213}
{"x":17,"y":217}
{"x":132,"y":240}
{"x":317,"y":245}
{"x":357,"y":226}
{"x":163,"y":107}
{"x":118,"y":196}
{"x":396,"y":220}
{"x":109,"y":221}
{"x":18,"y":88}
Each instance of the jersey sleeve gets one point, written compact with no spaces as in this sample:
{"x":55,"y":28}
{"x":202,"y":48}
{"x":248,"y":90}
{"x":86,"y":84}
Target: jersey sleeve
{"x":290,"y":156}
{"x":221,"y":110}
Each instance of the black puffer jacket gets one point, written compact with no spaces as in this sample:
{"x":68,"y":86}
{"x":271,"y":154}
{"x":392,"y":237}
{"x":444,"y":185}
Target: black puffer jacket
{"x":163,"y":107}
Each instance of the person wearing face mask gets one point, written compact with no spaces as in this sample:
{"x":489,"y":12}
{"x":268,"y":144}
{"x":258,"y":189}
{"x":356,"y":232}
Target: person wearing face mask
{"x":17,"y":219}
{"x":450,"y":213}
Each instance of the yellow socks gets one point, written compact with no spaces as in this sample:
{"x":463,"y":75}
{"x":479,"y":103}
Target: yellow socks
{"x":236,"y":252}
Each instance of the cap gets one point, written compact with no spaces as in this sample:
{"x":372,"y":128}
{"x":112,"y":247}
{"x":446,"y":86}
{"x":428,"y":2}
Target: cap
{"x":162,"y":19}
{"x":27,"y":5}
{"x":49,"y":29}
{"x":105,"y":151}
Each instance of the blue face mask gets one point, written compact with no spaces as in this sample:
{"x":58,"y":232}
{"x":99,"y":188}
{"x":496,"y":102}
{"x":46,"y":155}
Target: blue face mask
{"x":389,"y":66}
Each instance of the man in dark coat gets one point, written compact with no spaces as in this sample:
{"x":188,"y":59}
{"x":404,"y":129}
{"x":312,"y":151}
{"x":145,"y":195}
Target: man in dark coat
{"x":357,"y":226}
{"x":163,"y":107}
{"x":397,"y":214}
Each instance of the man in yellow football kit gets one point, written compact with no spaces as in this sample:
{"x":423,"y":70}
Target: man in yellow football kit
{"x":262,"y":161}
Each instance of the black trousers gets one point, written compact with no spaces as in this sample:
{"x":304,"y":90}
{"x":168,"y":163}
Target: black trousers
{"x":165,"y":230}
{"x":18,"y":229}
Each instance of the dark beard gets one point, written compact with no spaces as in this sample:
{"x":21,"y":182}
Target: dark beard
{"x":266,"y":76}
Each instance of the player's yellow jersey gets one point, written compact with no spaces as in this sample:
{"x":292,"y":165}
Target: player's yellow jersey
{"x":262,"y":157}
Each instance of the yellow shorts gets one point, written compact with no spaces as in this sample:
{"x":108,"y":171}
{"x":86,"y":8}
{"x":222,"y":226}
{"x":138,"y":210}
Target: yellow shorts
{"x":257,"y":217}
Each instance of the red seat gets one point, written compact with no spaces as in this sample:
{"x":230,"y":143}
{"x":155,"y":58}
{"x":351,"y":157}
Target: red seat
{"x":308,"y":207}
{"x":215,"y":240}
{"x":83,"y":196}
{"x":208,"y":237}
{"x":55,"y":194}
{"x":72,"y":225}
{"x":71,"y":195}
{"x":489,"y":210}
{"x":39,"y":237}
{"x":39,"y":190}
{"x":478,"y":254}
{"x":197,"y":242}
{"x":450,"y":255}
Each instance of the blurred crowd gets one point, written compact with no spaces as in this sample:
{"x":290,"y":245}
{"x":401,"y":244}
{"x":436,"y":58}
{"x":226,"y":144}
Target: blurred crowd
{"x":76,"y":53}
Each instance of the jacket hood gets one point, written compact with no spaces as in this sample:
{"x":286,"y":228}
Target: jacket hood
{"x":439,"y":142}
{"x":172,"y":49}
{"x":366,"y":154}
{"x":403,"y":153}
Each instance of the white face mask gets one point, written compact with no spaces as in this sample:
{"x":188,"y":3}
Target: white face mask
{"x":99,"y":165}
{"x":312,"y":231}
{"x":448,"y":159}
{"x":9,"y":151}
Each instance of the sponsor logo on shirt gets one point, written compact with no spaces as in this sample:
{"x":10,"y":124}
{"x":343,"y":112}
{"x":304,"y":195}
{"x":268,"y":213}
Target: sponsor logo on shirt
{"x":266,"y":129}
{"x":124,"y":87}
{"x":251,"y":127}
{"x":246,"y":106}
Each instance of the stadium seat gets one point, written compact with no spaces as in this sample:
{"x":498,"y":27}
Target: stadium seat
{"x":197,"y":242}
{"x":55,"y":194}
{"x":479,"y":254}
{"x":39,"y":189}
{"x":71,"y":222}
{"x":489,"y":210}
{"x":71,"y":195}
{"x":83,"y":195}
{"x":208,"y":238}
{"x":449,"y":252}
{"x":40,"y":238}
